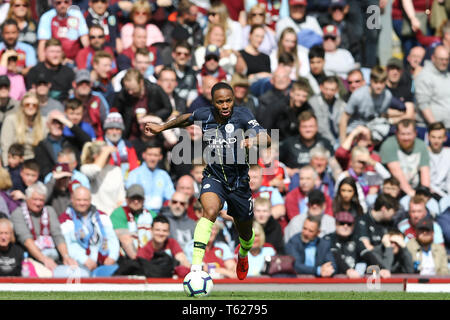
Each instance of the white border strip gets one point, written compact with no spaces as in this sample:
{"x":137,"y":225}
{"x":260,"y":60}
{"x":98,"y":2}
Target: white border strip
{"x":428,"y":287}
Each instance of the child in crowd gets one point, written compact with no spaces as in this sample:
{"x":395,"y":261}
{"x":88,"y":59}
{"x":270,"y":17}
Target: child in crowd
{"x":16,"y":153}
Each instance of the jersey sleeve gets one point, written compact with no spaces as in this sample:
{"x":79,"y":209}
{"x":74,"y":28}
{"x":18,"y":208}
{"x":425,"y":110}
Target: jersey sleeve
{"x":250,"y":122}
{"x":118,"y":219}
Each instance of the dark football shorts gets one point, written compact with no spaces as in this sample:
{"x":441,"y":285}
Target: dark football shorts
{"x":239,"y":201}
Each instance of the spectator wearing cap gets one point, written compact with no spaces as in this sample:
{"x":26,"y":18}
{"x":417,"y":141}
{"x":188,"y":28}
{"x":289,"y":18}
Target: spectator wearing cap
{"x":60,"y":75}
{"x":298,"y":19}
{"x":42,"y":87}
{"x":8,"y":67}
{"x":312,"y":253}
{"x":95,"y":105}
{"x":132,"y":222}
{"x":211,"y":66}
{"x":90,"y":236}
{"x":417,"y":210}
{"x":58,"y":191}
{"x":400,"y":88}
{"x":47,"y":150}
{"x":429,"y":257}
{"x":125,"y":157}
{"x":315,"y":206}
{"x":344,"y":245}
{"x":338,"y":61}
{"x":8,"y":105}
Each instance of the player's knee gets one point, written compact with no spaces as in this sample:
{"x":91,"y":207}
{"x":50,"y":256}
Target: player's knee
{"x":210,"y":213}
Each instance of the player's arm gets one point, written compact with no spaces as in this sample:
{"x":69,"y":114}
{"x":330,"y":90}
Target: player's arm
{"x":181,"y":121}
{"x":262,"y":139}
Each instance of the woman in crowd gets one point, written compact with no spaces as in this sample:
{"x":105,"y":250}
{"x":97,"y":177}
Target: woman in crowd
{"x":20,"y":11}
{"x":258,"y":252}
{"x":140,"y":15}
{"x":107,"y":183}
{"x":26,"y":127}
{"x":218,"y":14}
{"x":346,"y":198}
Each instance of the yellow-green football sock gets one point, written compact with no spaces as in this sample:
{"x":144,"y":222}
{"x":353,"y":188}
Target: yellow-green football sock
{"x":202,"y":234}
{"x":246,"y":245}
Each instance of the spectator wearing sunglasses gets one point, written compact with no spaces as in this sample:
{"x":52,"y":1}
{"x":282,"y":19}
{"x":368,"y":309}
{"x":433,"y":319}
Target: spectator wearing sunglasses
{"x":65,"y":24}
{"x":20,"y":11}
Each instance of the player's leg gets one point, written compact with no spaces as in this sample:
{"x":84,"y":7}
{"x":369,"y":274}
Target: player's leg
{"x":211,"y":206}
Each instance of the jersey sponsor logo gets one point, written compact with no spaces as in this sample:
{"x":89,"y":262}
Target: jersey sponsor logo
{"x":221,"y":142}
{"x":253,"y":123}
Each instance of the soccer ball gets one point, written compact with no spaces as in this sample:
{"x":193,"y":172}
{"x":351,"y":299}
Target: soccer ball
{"x":197,"y":284}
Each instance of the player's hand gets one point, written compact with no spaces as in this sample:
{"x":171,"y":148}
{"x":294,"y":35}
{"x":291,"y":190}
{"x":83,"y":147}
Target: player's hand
{"x":248,"y":143}
{"x":152,"y":128}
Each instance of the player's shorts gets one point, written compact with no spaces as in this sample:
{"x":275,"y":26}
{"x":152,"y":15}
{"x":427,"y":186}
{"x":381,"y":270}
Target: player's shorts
{"x":239,"y":201}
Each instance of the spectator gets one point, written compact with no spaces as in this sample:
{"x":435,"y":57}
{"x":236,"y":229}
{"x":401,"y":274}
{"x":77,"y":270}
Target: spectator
{"x":132,"y":222}
{"x":315,"y":208}
{"x":52,"y":66}
{"x":65,"y":24}
{"x":391,"y":186}
{"x":272,"y":229}
{"x":204,"y":99}
{"x":136,"y":93}
{"x":97,"y":42}
{"x":215,"y":35}
{"x":251,"y":62}
{"x":294,"y":150}
{"x":156,"y":182}
{"x":257,"y":16}
{"x":7,"y":204}
{"x":242,"y":95}
{"x":344,"y":245}
{"x":69,"y":157}
{"x":26,"y":127}
{"x":432,"y":98}
{"x":316,"y":57}
{"x":58,"y":188}
{"x":297,"y":199}
{"x":400,"y":88}
{"x":217,"y":255}
{"x":414,"y":62}
{"x":11,"y":254}
{"x":355,"y":80}
{"x":439,"y":166}
{"x":167,"y":80}
{"x":211,"y":65}
{"x":74,"y":110}
{"x":406,"y":157}
{"x":347,"y":198}
{"x":417,"y":212}
{"x":368,"y":103}
{"x":26,"y":55}
{"x":8,"y":105}
{"x":259,"y":251}
{"x":312,"y":254}
{"x":429,"y":257}
{"x":15,"y":161}
{"x":186,"y":185}
{"x":140,"y":15}
{"x":90,"y":236}
{"x":46,"y":152}
{"x":42,"y":86}
{"x":107,"y":183}
{"x":161,"y":241}
{"x":288,"y":44}
{"x":101,"y":75}
{"x":95,"y":106}
{"x":328,"y":108}
{"x":218,"y":14}
{"x":278,"y":210}
{"x":103,"y":14}
{"x":299,"y":20}
{"x":274,"y":172}
{"x":181,"y":226}
{"x":298,"y":102}
{"x":29,"y":175}
{"x":38,"y":230}
{"x":186,"y":76}
{"x":393,"y":254}
{"x":125,"y":157}
{"x":272,"y":104}
{"x":338,"y":61}
{"x":20,"y":11}
{"x":8,"y":67}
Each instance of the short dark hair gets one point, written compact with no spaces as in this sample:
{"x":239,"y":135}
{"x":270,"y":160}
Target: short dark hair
{"x":219,"y":86}
{"x":183,"y":44}
{"x":286,"y":58}
{"x":166,"y":68}
{"x":357,"y":70}
{"x":387,"y":201}
{"x":9,"y":22}
{"x":436,"y":126}
{"x":333,"y":79}
{"x":301,"y":84}
{"x":316,"y":51}
{"x":161,"y":219}
{"x":392,"y":180}
{"x":405,"y":123}
{"x":16,"y":149}
{"x":316,"y":219}
{"x":31,"y":164}
{"x":152,"y":144}
{"x":73,"y":103}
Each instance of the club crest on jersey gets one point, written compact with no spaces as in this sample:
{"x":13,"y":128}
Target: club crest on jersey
{"x":229,"y":128}
{"x":72,"y":22}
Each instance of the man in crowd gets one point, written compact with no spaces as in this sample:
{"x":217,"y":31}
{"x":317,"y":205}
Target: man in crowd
{"x":439,"y":164}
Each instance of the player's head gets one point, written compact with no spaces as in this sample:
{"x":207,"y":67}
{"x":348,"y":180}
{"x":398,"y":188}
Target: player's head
{"x":223,"y":99}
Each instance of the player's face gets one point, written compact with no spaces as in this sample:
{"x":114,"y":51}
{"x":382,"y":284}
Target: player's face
{"x":223,"y":101}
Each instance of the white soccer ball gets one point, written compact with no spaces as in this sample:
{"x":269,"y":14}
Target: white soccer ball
{"x":197,"y":284}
